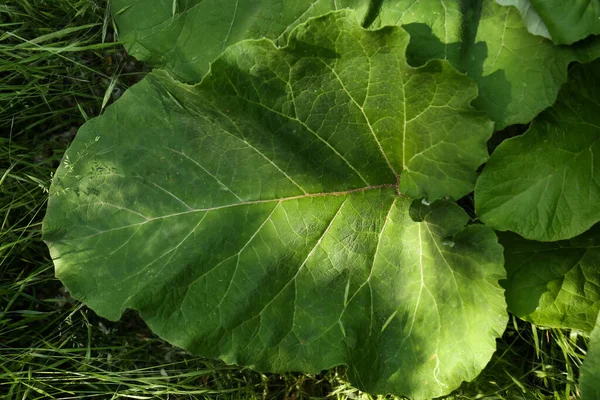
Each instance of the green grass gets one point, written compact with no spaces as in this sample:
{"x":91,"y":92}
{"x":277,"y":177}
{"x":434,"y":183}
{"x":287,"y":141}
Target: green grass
{"x":59,"y":66}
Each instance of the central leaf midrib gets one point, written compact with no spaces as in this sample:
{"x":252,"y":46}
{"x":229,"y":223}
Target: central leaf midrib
{"x":266,"y":201}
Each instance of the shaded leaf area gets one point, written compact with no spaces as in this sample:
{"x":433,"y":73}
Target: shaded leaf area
{"x":256,"y":217}
{"x":500,"y":136}
{"x":518,"y":74}
{"x":543,"y":185}
{"x":554,"y":284}
{"x":565,"y":21}
{"x":590,"y":370}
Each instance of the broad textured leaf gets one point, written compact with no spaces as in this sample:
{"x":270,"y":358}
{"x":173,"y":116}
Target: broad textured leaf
{"x":256,"y":217}
{"x":568,"y":21}
{"x":535,"y":24}
{"x":518,"y":74}
{"x":590,"y":370}
{"x":544,"y":185}
{"x":554,"y":284}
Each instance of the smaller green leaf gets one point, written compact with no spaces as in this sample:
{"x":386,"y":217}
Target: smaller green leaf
{"x":564,"y":22}
{"x":554,"y":284}
{"x":569,"y":21}
{"x":590,"y":370}
{"x":544,"y":185}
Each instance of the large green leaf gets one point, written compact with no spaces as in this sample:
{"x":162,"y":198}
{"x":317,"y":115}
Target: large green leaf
{"x":544,"y":185}
{"x":256,"y":217}
{"x":554,"y":284}
{"x":590,"y":370}
{"x":518,"y":74}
